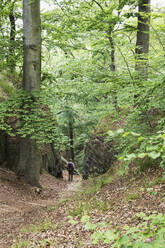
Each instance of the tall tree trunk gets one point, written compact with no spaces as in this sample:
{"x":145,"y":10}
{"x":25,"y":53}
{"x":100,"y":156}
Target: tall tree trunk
{"x":113,"y":67}
{"x":142,"y":40}
{"x":58,"y":164}
{"x":112,"y":64}
{"x":71,"y":137}
{"x":32,"y":45}
{"x":30,"y":158}
{"x":12,"y":40}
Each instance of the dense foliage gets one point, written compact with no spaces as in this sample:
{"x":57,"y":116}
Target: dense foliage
{"x":88,"y":73}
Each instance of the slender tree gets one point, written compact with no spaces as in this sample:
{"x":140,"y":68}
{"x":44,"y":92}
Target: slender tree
{"x":112,"y":64}
{"x":71,"y":136}
{"x":12,"y":38}
{"x":30,"y":160}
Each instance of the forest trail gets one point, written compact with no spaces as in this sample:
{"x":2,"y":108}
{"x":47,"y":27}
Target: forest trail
{"x":21,"y":204}
{"x":52,"y":218}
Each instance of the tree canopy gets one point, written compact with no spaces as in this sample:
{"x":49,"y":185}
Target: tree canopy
{"x":90,"y":70}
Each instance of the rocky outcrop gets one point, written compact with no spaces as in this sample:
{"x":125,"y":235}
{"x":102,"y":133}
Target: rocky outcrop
{"x":99,"y":156}
{"x":9,"y":155}
{"x":2,"y":147}
{"x":12,"y":152}
{"x":9,"y":151}
{"x":52,"y":161}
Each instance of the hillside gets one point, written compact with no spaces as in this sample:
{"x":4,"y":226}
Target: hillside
{"x":66,"y":214}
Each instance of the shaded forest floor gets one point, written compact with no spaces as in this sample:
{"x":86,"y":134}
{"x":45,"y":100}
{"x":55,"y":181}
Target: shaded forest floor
{"x":22,"y":205}
{"x":53,"y":217}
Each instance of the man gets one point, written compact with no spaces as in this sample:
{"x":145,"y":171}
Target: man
{"x":70,"y":168}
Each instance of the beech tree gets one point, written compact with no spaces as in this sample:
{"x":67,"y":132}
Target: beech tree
{"x":30,"y":159}
{"x":142,"y":40}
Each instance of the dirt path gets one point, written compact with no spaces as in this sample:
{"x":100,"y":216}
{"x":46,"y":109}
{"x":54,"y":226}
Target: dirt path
{"x":21,"y":204}
{"x":117,"y":203}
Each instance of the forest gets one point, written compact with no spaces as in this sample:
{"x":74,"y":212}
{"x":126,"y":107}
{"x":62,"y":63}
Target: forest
{"x":82,"y":81}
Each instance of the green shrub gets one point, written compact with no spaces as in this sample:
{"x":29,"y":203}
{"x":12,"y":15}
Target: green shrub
{"x":144,"y":150}
{"x":149,"y":233}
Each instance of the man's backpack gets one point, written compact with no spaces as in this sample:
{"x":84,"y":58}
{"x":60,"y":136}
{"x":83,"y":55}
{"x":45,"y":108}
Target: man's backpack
{"x":70,"y":167}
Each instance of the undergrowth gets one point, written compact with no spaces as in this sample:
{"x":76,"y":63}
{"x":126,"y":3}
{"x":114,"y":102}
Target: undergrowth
{"x":5,"y":86}
{"x":149,"y":233}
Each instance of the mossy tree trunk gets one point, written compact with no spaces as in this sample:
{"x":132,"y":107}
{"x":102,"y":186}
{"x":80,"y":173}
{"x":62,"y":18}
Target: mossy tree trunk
{"x":30,"y":158}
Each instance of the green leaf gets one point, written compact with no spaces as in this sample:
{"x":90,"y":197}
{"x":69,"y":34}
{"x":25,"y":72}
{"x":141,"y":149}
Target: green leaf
{"x":85,"y":218}
{"x":103,"y":224}
{"x":125,"y":134}
{"x":90,"y":226}
{"x":110,"y":236}
{"x":135,"y":134}
{"x":140,"y":138}
{"x":141,"y":215}
{"x":120,"y":131}
{"x":154,"y":155}
{"x":73,"y":222}
{"x":150,"y":148}
{"x":111,"y":133}
{"x":121,"y":158}
{"x":97,"y":236}
{"x":142,"y":155}
{"x":130,"y":156}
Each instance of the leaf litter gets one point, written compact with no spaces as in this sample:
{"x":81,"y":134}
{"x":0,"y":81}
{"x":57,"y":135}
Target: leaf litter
{"x":54,"y":217}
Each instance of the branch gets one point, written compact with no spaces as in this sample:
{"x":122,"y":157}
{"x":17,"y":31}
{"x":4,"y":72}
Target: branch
{"x":99,"y":5}
{"x":64,"y":160}
{"x":158,"y":36}
{"x":126,"y":64}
